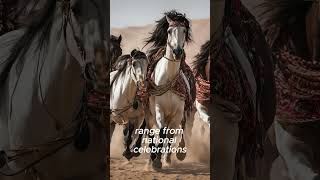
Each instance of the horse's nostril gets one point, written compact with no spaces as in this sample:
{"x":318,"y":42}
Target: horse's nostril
{"x":177,"y":51}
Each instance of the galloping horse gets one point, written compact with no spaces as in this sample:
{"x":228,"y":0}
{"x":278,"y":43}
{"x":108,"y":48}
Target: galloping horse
{"x":292,"y":31}
{"x":44,"y":72}
{"x":243,"y":105}
{"x":127,"y":86}
{"x":171,"y":95}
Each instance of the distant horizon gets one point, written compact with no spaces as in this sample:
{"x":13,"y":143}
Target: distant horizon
{"x":129,"y":13}
{"x":141,"y":26}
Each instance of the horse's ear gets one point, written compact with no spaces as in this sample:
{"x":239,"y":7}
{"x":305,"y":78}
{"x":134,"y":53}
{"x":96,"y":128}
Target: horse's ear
{"x":169,"y":20}
{"x":119,"y":38}
{"x":133,"y":53}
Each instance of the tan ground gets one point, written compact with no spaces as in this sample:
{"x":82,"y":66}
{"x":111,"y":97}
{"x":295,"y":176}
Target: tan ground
{"x":194,"y":167}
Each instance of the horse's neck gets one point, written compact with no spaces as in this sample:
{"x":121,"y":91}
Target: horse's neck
{"x":165,"y":70}
{"x":127,"y":86}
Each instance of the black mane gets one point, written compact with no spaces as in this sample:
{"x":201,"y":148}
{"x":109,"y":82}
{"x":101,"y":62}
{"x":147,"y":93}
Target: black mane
{"x":40,"y":26}
{"x":284,"y":13}
{"x":158,"y":37}
{"x":115,"y":49}
{"x":201,"y":59}
{"x":122,"y":62}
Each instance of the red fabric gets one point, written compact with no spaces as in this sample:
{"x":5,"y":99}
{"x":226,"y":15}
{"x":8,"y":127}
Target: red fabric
{"x":298,"y":89}
{"x":203,"y":89}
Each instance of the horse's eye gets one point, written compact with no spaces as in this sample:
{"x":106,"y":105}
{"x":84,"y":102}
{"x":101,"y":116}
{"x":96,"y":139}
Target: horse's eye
{"x":169,"y":31}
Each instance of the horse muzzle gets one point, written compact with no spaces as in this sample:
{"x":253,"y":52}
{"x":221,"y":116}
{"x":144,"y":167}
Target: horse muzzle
{"x":178,"y":52}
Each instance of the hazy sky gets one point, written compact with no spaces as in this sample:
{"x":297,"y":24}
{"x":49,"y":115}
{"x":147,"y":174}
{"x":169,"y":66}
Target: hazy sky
{"x":141,"y":12}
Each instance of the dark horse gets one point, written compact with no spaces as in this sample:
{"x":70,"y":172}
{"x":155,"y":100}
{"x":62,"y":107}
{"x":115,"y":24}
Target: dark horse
{"x":115,"y":50}
{"x":243,"y":105}
{"x":292,"y":31}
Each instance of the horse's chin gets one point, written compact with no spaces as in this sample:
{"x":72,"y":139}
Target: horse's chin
{"x":177,"y":57}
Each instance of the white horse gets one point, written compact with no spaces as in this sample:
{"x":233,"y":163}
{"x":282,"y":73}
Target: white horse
{"x":126,"y":84}
{"x":167,"y":108}
{"x":42,"y":129}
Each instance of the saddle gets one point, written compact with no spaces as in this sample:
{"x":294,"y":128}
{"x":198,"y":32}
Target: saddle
{"x":183,"y":85}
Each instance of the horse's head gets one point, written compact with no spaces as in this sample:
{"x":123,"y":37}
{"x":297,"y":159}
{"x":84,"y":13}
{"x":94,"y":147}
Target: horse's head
{"x":176,"y":37}
{"x":84,"y":29}
{"x":313,"y":29}
{"x":115,"y":48}
{"x":138,"y":64}
{"x":172,"y":30}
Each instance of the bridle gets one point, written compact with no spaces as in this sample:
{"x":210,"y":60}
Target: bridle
{"x":6,"y":156}
{"x":174,"y":24}
{"x":87,"y":67}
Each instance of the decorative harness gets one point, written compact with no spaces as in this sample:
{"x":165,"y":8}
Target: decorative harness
{"x":48,"y":149}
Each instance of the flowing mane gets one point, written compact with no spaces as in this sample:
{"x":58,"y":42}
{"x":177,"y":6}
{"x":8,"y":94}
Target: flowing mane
{"x":159,"y":36}
{"x":122,"y":60}
{"x":42,"y":26}
{"x":115,"y":49}
{"x":201,"y":59}
{"x":39,"y":27}
{"x":284,"y":13}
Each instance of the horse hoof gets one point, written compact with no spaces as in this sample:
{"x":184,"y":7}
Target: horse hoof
{"x":157,"y":164}
{"x":181,"y":156}
{"x":127,"y":154}
{"x":182,"y":144}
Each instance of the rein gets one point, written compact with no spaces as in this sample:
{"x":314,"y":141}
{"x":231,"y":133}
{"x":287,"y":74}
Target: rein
{"x":172,"y":60}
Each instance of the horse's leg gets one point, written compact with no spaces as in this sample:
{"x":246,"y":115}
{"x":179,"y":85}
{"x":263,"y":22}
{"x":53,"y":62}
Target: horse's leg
{"x":127,"y":132}
{"x":187,"y":129}
{"x":226,"y":133}
{"x":112,"y":127}
{"x":188,"y":120}
{"x":296,"y":155}
{"x":138,"y":143}
{"x":175,"y":122}
{"x":159,"y":124}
